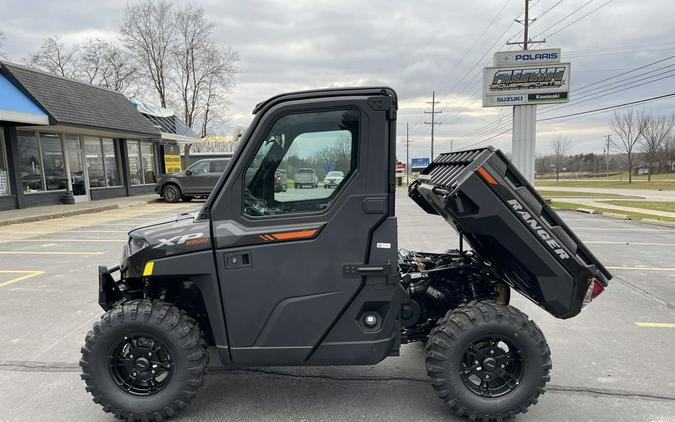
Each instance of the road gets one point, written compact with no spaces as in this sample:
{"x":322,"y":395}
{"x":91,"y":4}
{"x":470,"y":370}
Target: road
{"x":614,"y":362}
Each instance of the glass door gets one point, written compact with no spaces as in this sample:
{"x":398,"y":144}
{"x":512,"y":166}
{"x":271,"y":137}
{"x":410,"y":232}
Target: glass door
{"x":78,"y":175}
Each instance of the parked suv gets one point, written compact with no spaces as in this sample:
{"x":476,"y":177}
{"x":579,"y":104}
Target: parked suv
{"x":306,"y":177}
{"x":197,"y":180}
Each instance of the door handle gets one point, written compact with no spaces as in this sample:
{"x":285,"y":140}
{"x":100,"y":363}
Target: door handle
{"x":236,"y":260}
{"x":360,"y":270}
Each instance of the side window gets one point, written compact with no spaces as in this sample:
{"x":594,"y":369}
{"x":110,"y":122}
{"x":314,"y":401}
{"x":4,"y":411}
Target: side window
{"x":303,"y":163}
{"x":200,"y":167}
{"x":218,"y":166}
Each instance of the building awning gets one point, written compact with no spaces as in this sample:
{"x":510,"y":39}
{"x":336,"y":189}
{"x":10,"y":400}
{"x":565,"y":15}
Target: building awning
{"x":15,"y":107}
{"x":170,"y":126}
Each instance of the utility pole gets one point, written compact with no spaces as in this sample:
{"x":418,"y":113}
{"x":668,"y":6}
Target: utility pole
{"x":407,"y":155}
{"x":526,"y":29}
{"x":433,"y":121}
{"x":524,"y":132}
{"x":609,"y":140}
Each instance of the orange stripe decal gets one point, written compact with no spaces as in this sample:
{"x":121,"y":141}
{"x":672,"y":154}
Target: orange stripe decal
{"x":487,"y":176}
{"x":301,"y":234}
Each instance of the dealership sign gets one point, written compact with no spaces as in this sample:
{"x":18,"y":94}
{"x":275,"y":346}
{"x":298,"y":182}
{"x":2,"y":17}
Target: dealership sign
{"x":537,"y":79}
{"x":527,"y":57}
{"x":419,"y":163}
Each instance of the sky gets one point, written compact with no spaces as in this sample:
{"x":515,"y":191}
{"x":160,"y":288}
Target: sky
{"x":415,"y":47}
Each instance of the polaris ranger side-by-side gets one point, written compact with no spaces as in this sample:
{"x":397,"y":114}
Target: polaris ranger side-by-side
{"x":315,"y":276}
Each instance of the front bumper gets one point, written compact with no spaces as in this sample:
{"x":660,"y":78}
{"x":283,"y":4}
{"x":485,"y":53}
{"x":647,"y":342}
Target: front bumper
{"x":108,"y":290}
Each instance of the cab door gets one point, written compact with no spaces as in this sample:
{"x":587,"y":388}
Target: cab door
{"x":289,"y":262}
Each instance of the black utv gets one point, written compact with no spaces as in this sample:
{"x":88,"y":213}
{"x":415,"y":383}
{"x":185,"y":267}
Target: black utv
{"x":315,"y":277}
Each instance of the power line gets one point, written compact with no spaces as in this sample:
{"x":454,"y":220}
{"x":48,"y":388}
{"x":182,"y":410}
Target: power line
{"x":565,"y":18}
{"x":598,"y":110}
{"x":582,"y":17}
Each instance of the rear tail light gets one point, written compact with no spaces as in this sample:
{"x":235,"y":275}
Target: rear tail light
{"x":594,"y":290}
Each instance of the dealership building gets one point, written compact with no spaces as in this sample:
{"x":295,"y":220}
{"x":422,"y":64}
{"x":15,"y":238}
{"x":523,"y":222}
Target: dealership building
{"x":65,"y":141}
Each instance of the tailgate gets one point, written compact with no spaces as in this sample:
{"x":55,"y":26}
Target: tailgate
{"x":484,"y":197}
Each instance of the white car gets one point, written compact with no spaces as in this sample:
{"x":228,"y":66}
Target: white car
{"x":333,"y":179}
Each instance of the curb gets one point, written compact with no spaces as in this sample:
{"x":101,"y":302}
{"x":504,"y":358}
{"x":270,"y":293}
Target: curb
{"x":658,"y":222}
{"x":587,"y":210}
{"x":616,"y":215}
{"x":70,"y":213}
{"x":57,"y":215}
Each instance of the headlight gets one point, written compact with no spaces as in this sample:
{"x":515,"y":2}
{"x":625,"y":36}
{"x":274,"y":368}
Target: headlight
{"x":136,"y":244}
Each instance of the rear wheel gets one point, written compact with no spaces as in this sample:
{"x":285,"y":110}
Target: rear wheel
{"x":487,"y":361}
{"x":171,"y":193}
{"x":144,"y":360}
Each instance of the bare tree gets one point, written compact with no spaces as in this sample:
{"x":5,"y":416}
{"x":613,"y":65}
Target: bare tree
{"x":57,"y":58}
{"x":107,"y":65}
{"x":667,"y":154}
{"x":148,"y":32}
{"x":657,"y":130}
{"x":203,"y":71}
{"x":2,"y":43}
{"x":629,"y":127}
{"x":561,"y":146}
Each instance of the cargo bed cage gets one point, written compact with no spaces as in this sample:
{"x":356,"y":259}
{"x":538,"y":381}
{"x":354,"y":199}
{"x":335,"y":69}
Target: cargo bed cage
{"x":489,"y":203}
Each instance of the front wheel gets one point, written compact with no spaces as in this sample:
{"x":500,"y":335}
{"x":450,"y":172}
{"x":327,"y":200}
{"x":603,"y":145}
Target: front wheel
{"x":144,"y":360}
{"x":487,"y":361}
{"x":171,"y":193}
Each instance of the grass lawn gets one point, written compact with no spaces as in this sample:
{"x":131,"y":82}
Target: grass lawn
{"x":558,"y":193}
{"x":611,"y":184}
{"x":650,"y":205}
{"x":632,"y":215}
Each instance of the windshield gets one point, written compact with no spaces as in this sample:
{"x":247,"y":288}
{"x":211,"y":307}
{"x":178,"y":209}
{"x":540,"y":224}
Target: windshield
{"x":335,"y":174}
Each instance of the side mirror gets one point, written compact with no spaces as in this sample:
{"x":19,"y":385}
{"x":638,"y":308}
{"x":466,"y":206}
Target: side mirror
{"x":188,"y":172}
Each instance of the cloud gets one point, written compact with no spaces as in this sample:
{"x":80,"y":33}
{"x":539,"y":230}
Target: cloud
{"x":415,"y":47}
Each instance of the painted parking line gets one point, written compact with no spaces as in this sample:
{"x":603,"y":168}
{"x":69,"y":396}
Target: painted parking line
{"x":26,"y":274}
{"x":639,"y":268}
{"x":655,"y":324}
{"x":622,"y":230}
{"x":603,"y":242}
{"x":48,"y":253}
{"x":63,"y":240}
{"x":61,"y":231}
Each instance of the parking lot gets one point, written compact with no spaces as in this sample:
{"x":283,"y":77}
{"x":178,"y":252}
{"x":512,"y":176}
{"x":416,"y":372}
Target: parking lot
{"x":614,"y":362}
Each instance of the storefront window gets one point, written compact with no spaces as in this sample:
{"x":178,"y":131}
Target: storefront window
{"x":94,"y":160}
{"x":31,"y":166}
{"x":141,"y":162}
{"x":4,"y":172}
{"x":110,"y":162}
{"x":52,"y":159}
{"x":73,"y":151}
{"x":135,"y":171}
{"x":148,"y":157}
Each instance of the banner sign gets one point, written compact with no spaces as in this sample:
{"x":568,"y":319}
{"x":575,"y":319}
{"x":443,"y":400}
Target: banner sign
{"x":419,"y":163}
{"x":514,"y":85}
{"x":527,"y":57}
{"x":172,"y":161}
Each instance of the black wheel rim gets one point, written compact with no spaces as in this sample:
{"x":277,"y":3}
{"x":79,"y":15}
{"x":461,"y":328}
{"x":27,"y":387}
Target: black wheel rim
{"x":140,"y":365}
{"x":492,"y":366}
{"x":170,"y":194}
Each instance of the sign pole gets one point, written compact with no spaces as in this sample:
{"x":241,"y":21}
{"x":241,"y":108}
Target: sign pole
{"x":524,"y":137}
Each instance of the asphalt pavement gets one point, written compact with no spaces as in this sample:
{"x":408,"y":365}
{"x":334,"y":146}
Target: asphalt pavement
{"x":613,"y":362}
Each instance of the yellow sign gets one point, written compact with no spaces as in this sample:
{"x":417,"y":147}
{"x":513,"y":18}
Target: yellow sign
{"x":172,"y":163}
